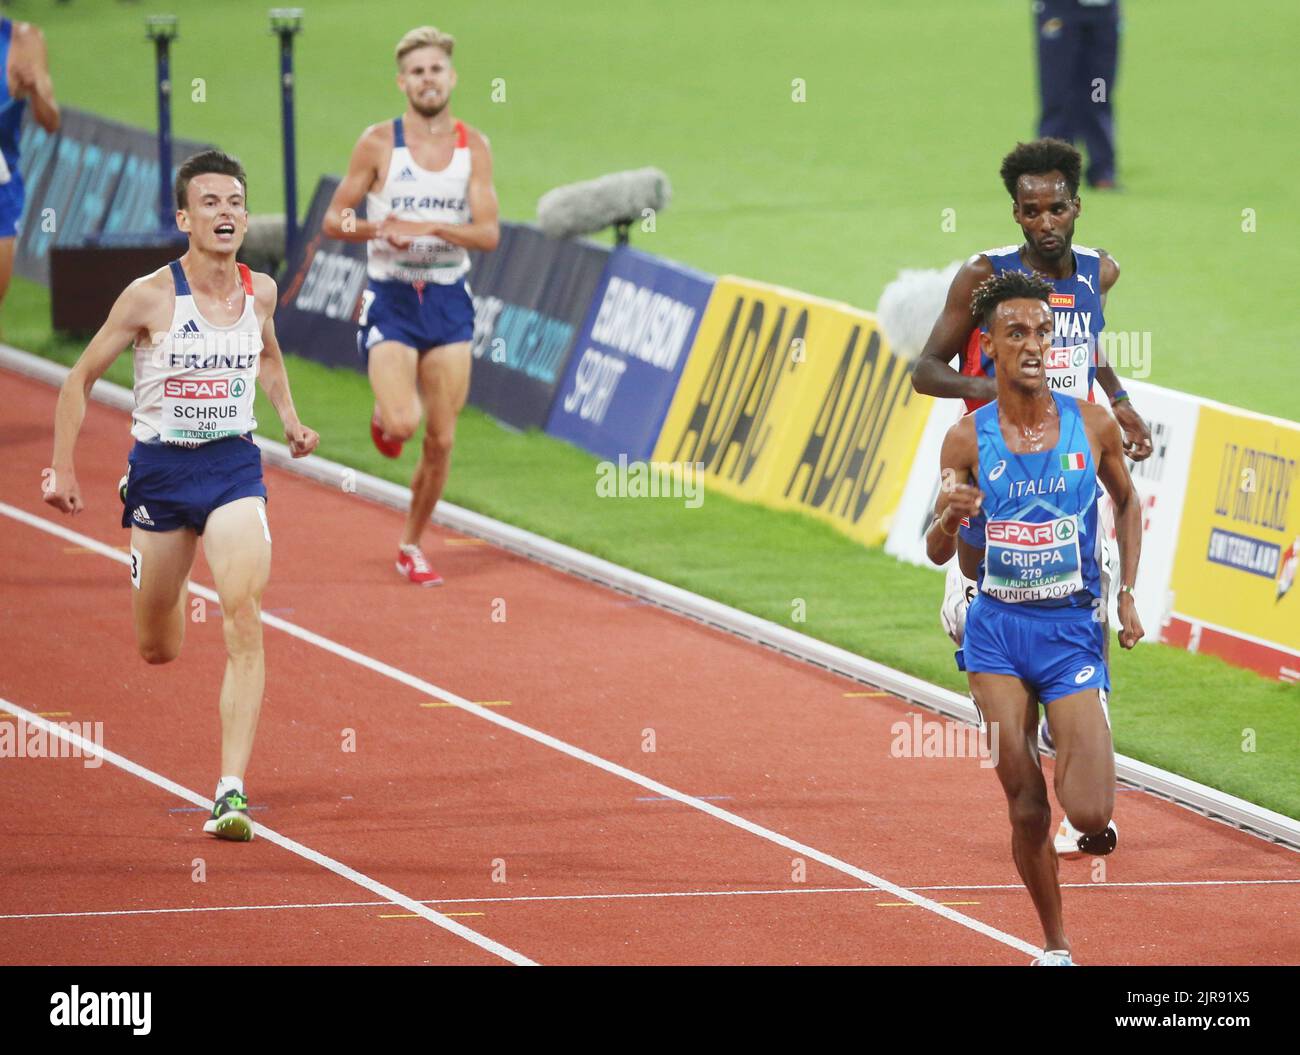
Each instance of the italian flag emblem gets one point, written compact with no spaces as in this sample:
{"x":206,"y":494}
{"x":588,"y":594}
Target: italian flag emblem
{"x":1071,"y":461}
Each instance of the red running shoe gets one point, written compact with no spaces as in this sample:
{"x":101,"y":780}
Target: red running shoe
{"x":388,"y":448}
{"x":412,"y":565}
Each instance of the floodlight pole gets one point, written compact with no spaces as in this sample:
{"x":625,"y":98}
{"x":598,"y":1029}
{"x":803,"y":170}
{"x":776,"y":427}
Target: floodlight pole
{"x":162,"y":30}
{"x":286,"y":23}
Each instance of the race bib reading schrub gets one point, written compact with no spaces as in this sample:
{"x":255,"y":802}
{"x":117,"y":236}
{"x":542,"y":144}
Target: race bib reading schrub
{"x":1032,"y":562}
{"x":200,"y":409}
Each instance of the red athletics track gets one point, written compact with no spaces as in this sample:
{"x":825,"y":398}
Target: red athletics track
{"x":434,"y":798}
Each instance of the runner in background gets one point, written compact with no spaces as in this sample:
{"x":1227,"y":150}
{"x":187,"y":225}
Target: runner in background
{"x":426,"y":179}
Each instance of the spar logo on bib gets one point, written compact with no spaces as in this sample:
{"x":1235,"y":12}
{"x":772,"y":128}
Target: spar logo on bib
{"x":203,"y":388}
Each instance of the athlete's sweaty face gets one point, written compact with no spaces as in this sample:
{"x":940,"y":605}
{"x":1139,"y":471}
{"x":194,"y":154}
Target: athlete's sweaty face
{"x":427,"y":78}
{"x":1017,"y":339}
{"x":216,"y":218}
{"x":1046,"y":211}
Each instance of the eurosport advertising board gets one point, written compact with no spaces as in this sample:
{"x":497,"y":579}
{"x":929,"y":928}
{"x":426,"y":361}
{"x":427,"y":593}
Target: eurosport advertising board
{"x":797,"y":403}
{"x":629,"y":355}
{"x":530,"y":296}
{"x":92,"y":179}
{"x":320,"y":292}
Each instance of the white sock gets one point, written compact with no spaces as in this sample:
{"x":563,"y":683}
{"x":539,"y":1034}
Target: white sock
{"x":229,"y":784}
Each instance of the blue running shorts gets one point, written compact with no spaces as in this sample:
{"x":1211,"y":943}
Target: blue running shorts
{"x":170,"y":487}
{"x":419,"y":316}
{"x":1057,"y":651}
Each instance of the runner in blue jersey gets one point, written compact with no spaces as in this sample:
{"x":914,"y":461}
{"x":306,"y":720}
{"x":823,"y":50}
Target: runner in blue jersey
{"x":26,"y":78}
{"x":1030,"y":462}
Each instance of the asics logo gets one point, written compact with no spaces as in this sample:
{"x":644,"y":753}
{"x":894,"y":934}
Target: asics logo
{"x":998,"y":470}
{"x":1084,"y":675}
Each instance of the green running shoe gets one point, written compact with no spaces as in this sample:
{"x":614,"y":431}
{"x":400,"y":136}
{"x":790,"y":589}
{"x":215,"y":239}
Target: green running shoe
{"x":230,"y":818}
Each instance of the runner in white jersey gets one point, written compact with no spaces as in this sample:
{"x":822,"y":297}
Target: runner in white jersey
{"x":202,"y":332}
{"x":426,"y":180}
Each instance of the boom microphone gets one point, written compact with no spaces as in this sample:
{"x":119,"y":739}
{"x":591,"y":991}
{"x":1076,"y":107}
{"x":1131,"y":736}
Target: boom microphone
{"x":619,"y":198}
{"x":911,"y":305}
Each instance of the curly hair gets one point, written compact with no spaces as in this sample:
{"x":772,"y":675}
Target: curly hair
{"x":1010,"y":285}
{"x":1038,"y":158}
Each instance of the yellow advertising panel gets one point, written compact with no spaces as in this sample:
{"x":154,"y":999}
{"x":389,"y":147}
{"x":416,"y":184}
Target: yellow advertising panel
{"x":1240,"y":538}
{"x":797,"y":403}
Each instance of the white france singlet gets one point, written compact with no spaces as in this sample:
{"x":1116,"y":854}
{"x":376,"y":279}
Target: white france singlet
{"x":197,"y":383}
{"x":413,"y":193}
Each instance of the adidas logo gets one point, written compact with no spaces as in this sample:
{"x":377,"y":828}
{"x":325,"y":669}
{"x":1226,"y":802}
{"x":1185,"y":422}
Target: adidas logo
{"x":141,"y":516}
{"x":190,"y":329}
{"x":405,"y":175}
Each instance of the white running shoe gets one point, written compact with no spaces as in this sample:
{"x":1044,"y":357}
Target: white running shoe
{"x":1052,"y":958}
{"x":1071,"y":843}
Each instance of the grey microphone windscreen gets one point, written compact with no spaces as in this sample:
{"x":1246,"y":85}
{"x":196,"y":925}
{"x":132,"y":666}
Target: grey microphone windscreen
{"x":582,"y":208}
{"x":911,"y":305}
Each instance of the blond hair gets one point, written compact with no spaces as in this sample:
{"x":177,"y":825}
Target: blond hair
{"x":424,"y":37}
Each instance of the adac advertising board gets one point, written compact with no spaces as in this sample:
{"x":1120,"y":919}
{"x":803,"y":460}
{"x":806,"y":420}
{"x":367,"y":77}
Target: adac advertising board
{"x":796,"y":403}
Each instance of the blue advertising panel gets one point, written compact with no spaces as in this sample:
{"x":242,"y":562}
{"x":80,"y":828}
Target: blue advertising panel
{"x":629,"y":355}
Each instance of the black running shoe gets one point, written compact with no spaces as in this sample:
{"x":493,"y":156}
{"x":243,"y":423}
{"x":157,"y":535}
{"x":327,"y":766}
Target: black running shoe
{"x":1101,"y":843}
{"x":230,"y":818}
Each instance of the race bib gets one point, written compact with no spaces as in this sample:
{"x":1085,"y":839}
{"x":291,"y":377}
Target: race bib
{"x":201,"y":409}
{"x":1066,"y":368}
{"x":425,"y":258}
{"x":1032,"y":562}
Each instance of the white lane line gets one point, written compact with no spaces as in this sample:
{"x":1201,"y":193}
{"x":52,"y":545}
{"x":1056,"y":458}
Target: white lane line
{"x":390,"y":895}
{"x":429,"y":689}
{"x":648,"y":895}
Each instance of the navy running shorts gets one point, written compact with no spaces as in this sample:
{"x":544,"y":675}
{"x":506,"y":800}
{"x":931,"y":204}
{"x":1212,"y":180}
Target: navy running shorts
{"x":170,"y":487}
{"x":419,"y":316}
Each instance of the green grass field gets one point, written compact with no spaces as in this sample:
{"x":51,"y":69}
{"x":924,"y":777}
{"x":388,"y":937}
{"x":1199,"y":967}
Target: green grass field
{"x":909,"y":109}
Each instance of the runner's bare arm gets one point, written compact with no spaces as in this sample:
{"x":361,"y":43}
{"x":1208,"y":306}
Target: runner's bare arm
{"x":31,"y":70}
{"x":1137,"y":436}
{"x":934,"y":376}
{"x":273,"y":375}
{"x":129,"y":319}
{"x":958,"y":498}
{"x":1114,"y":476}
{"x":341,"y":220}
{"x":484,"y":230}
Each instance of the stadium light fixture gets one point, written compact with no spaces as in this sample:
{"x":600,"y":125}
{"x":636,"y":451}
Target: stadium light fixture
{"x":161,"y":27}
{"x":286,"y":20}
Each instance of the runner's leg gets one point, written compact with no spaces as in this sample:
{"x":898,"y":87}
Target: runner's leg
{"x":392,"y":370}
{"x":1010,"y":707}
{"x":237,"y":544}
{"x":160,"y":568}
{"x":1085,"y":760}
{"x":444,"y":386}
